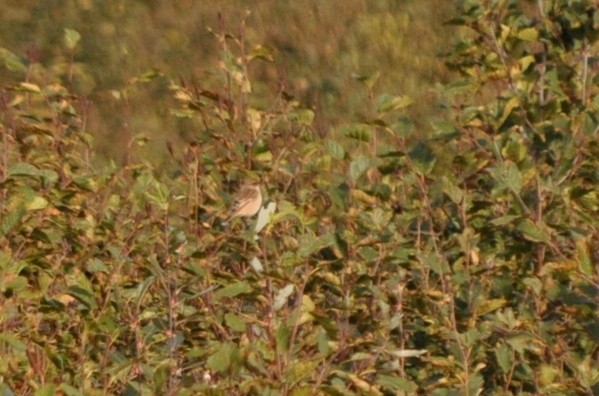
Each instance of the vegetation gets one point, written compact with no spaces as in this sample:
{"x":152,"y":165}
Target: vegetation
{"x":458,"y":260}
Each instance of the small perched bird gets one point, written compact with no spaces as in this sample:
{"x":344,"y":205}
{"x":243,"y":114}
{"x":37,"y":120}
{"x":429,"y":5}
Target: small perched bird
{"x":248,"y":201}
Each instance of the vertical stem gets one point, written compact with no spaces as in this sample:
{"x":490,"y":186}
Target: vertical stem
{"x":585,"y":69}
{"x":171,"y":292}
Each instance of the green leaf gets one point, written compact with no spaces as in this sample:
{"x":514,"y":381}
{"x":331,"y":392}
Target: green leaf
{"x":503,"y":220}
{"x":13,"y":342}
{"x":86,"y":182}
{"x":70,"y":390}
{"x":262,"y":52}
{"x":19,"y":283}
{"x":35,"y":203}
{"x":583,"y":257}
{"x":361,"y":132}
{"x":233,"y":290}
{"x":528,"y":34}
{"x":23,"y":169}
{"x":504,"y":357}
{"x":358,"y":167}
{"x":534,"y":232}
{"x":11,"y":61}
{"x":515,"y":151}
{"x":302,"y":370}
{"x":159,"y":195}
{"x":423,"y":158}
{"x":142,"y":289}
{"x":10,"y":220}
{"x":452,"y":191}
{"x":71,"y":38}
{"x":475,"y":385}
{"x":335,"y":149}
{"x":511,"y":104}
{"x":535,"y":284}
{"x":311,"y":244}
{"x":395,"y":384}
{"x":282,"y":337}
{"x":302,"y":116}
{"x":235,"y":322}
{"x":224,"y":358}
{"x":46,"y":390}
{"x":445,"y":130}
{"x":369,"y":80}
{"x":97,"y":265}
{"x":521,"y":342}
{"x":323,"y":342}
{"x":435,"y":263}
{"x":526,"y":61}
{"x":507,"y":176}
{"x":386,"y":103}
{"x":490,"y":305}
{"x":403,"y":127}
{"x":83,"y":295}
{"x":28,"y":87}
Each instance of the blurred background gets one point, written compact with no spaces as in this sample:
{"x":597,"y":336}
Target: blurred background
{"x":321,"y":50}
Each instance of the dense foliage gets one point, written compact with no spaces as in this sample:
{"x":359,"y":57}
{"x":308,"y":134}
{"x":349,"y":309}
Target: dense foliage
{"x":464,"y":262}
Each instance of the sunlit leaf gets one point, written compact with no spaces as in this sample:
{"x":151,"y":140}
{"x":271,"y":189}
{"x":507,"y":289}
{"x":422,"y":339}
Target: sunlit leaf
{"x":511,"y":104}
{"x":403,"y":353}
{"x":262,"y":52}
{"x":282,"y":296}
{"x":528,"y":34}
{"x":526,"y":61}
{"x":264,"y":216}
{"x":28,"y":87}
{"x":256,"y":264}
{"x":35,"y":203}
{"x":71,"y":38}
{"x":491,"y":305}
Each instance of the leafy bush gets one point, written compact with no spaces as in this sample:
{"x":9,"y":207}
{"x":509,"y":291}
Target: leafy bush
{"x":463,"y":263}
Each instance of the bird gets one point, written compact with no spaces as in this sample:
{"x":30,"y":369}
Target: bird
{"x":248,"y":201}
